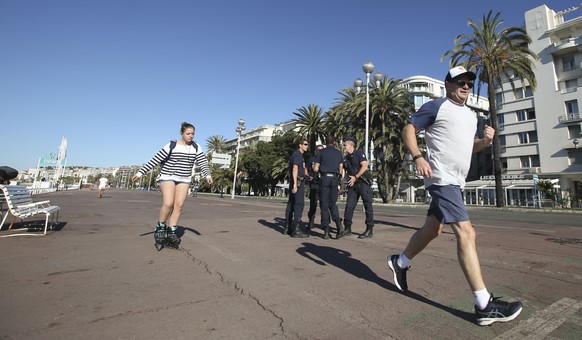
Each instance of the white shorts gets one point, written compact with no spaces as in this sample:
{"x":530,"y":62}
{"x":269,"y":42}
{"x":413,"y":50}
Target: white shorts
{"x":174,"y":178}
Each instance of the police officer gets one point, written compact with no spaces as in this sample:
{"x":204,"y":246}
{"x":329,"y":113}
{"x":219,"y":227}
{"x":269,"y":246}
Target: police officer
{"x":359,"y":185}
{"x":329,"y":165}
{"x":297,"y":173}
{"x":313,"y":188}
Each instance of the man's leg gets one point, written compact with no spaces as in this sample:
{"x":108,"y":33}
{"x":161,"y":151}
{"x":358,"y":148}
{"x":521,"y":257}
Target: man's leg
{"x":422,"y":237}
{"x":298,"y":212}
{"x":312,"y":204}
{"x":399,"y":264}
{"x":467,"y":254}
{"x":351,"y":203}
{"x":289,"y":213}
{"x":324,"y":201}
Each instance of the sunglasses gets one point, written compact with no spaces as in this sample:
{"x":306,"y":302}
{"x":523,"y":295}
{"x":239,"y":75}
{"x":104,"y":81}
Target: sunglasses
{"x":462,"y":83}
{"x":304,"y":144}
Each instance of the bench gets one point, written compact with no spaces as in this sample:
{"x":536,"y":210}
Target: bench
{"x":20,"y":205}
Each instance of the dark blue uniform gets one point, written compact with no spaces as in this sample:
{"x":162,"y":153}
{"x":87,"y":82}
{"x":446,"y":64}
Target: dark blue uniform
{"x":296,"y":200}
{"x":352,"y":164}
{"x":313,"y":191}
{"x":329,"y":160}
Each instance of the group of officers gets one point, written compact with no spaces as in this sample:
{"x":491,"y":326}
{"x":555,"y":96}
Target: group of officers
{"x":324,"y":173}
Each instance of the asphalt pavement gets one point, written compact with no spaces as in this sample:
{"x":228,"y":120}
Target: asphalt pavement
{"x":236,"y":276}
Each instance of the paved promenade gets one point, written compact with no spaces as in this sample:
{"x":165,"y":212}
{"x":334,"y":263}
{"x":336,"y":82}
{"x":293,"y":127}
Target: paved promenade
{"x":99,"y":276}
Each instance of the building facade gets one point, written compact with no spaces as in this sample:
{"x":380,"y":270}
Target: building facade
{"x":540,"y":129}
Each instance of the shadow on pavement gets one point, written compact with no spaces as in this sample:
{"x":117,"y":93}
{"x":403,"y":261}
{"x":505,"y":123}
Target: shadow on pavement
{"x":278,"y":225}
{"x":180,"y":231}
{"x":342,"y":259}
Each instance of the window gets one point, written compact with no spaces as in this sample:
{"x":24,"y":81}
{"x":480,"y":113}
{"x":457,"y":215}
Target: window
{"x":519,"y":93}
{"x":571,"y":84}
{"x":502,"y":140}
{"x":572,"y":106}
{"x":499,"y":99}
{"x":500,"y":119}
{"x":521,"y":115}
{"x":529,"y":161}
{"x":572,"y":158}
{"x":568,"y":63}
{"x":531,"y":114}
{"x":527,"y":137}
{"x":574,"y":131}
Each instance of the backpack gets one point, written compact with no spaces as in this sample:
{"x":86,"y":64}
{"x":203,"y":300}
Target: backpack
{"x":173,"y":146}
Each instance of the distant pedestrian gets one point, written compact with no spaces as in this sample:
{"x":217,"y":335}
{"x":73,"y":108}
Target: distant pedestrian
{"x":175,"y":178}
{"x":450,"y":135}
{"x":296,"y":202}
{"x":359,"y":185}
{"x":313,"y":188}
{"x":329,"y":165}
{"x":102,"y":186}
{"x":195,"y":189}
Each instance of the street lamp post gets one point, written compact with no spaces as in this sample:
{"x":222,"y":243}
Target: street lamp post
{"x":241,"y":127}
{"x":368,"y":68}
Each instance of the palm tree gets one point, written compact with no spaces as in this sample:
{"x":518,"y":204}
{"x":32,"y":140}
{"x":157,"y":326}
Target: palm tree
{"x":390,"y":106}
{"x":216,"y":143}
{"x":496,"y":57}
{"x":310,"y":122}
{"x":348,"y":115}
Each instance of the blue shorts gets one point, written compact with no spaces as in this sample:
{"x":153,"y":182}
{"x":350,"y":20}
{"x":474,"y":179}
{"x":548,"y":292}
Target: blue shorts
{"x":447,"y":204}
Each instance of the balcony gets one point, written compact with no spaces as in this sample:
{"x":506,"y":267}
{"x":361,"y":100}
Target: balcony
{"x":570,"y":118}
{"x":565,"y":46}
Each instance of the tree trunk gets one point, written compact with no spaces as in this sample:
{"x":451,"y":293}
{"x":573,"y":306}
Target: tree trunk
{"x":499,"y":195}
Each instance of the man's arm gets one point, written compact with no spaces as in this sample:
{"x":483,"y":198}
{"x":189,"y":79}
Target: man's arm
{"x":409,"y":136}
{"x":481,"y":143}
{"x":294,"y":174}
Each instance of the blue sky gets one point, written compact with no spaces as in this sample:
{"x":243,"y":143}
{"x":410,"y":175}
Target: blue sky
{"x":117,"y":77}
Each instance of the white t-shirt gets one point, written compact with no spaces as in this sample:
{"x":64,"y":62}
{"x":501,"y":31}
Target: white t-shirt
{"x":103,"y":182}
{"x":449,"y":134}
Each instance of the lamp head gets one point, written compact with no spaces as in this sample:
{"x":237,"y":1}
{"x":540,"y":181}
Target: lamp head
{"x":368,"y":67}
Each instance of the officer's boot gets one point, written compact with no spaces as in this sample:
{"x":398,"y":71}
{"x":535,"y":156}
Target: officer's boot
{"x":288,"y":227}
{"x":311,"y":223}
{"x":369,"y":232}
{"x":348,"y":228}
{"x":326,"y":233}
{"x":297,"y":232}
{"x":341,"y":232}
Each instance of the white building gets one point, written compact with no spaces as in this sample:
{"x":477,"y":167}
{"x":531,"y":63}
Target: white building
{"x":540,"y":130}
{"x":262,"y":133}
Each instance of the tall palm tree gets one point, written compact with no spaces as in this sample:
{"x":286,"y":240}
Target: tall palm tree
{"x":390,"y":106}
{"x":216,"y":143}
{"x":496,"y":55}
{"x":310,"y":122}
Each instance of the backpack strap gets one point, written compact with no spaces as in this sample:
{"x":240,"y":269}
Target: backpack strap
{"x":172,"y":147}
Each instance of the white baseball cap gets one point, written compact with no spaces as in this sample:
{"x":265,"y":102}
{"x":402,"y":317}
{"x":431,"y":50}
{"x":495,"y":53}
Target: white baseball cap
{"x":459,"y":71}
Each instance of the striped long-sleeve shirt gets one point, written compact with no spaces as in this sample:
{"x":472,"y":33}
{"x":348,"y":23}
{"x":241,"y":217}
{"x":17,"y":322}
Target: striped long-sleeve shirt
{"x":180,"y":163}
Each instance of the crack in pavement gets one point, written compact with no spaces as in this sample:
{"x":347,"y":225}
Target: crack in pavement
{"x":238,"y":289}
